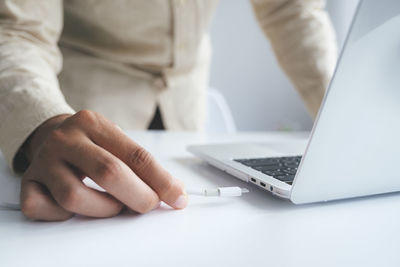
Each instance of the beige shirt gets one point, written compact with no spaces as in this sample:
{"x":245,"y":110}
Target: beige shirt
{"x":123,"y":58}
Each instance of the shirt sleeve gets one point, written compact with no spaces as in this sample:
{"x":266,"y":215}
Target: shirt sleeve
{"x":29,"y":63}
{"x":304,"y":42}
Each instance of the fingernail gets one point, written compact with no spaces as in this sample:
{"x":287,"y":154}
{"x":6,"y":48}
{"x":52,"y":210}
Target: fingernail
{"x":181,"y":202}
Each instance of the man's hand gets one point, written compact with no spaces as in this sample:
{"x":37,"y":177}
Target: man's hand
{"x":66,"y":148}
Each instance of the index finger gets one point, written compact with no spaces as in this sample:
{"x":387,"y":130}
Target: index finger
{"x":105,"y":134}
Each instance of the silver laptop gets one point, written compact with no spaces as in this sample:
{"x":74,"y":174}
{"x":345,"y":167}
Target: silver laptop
{"x":354,"y":147}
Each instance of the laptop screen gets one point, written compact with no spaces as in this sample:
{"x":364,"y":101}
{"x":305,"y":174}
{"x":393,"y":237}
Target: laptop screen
{"x":354,"y":148}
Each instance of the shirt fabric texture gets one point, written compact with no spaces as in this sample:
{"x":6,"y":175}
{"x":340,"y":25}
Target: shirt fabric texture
{"x":123,"y":58}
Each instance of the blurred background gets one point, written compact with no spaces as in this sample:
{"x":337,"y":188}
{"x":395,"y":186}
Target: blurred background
{"x":245,"y":71}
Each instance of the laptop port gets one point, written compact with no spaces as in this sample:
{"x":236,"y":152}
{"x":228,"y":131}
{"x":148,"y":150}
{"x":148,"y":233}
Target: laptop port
{"x":263,"y":184}
{"x":253,"y":180}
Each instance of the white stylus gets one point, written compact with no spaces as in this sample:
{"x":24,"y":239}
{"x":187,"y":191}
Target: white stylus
{"x":233,"y":191}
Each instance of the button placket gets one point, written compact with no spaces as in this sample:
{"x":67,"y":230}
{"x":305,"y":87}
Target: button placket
{"x":180,"y":7}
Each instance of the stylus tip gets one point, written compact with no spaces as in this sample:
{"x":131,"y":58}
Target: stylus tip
{"x":245,"y":190}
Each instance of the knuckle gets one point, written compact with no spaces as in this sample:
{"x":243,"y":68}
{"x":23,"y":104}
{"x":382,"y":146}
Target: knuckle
{"x":108,"y":171}
{"x":30,"y":207}
{"x":84,"y":117}
{"x":140,"y":159}
{"x":70,"y":198}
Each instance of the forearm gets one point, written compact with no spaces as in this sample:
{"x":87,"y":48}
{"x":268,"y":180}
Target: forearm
{"x":29,"y":96}
{"x":304,"y":42}
{"x":29,"y":63}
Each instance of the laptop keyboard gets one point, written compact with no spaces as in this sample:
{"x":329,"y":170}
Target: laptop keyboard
{"x":282,"y":168}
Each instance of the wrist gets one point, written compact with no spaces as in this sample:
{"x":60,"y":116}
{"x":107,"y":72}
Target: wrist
{"x":36,"y":138}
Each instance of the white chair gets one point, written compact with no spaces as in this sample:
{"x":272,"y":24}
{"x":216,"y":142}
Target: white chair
{"x":219,"y":117}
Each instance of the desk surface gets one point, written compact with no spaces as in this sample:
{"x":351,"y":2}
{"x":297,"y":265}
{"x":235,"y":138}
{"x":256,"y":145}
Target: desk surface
{"x":254,"y":230}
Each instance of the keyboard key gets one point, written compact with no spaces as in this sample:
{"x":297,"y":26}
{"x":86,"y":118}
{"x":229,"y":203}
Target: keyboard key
{"x":290,"y":171}
{"x":281,"y":177}
{"x":284,"y":178}
{"x":291,"y":165}
{"x":290,"y":177}
{"x":274,"y":173}
{"x":267,"y":168}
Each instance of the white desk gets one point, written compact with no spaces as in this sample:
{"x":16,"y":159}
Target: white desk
{"x":255,"y":230}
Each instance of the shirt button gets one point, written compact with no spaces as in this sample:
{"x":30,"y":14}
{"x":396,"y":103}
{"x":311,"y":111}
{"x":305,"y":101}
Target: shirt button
{"x":159,"y":83}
